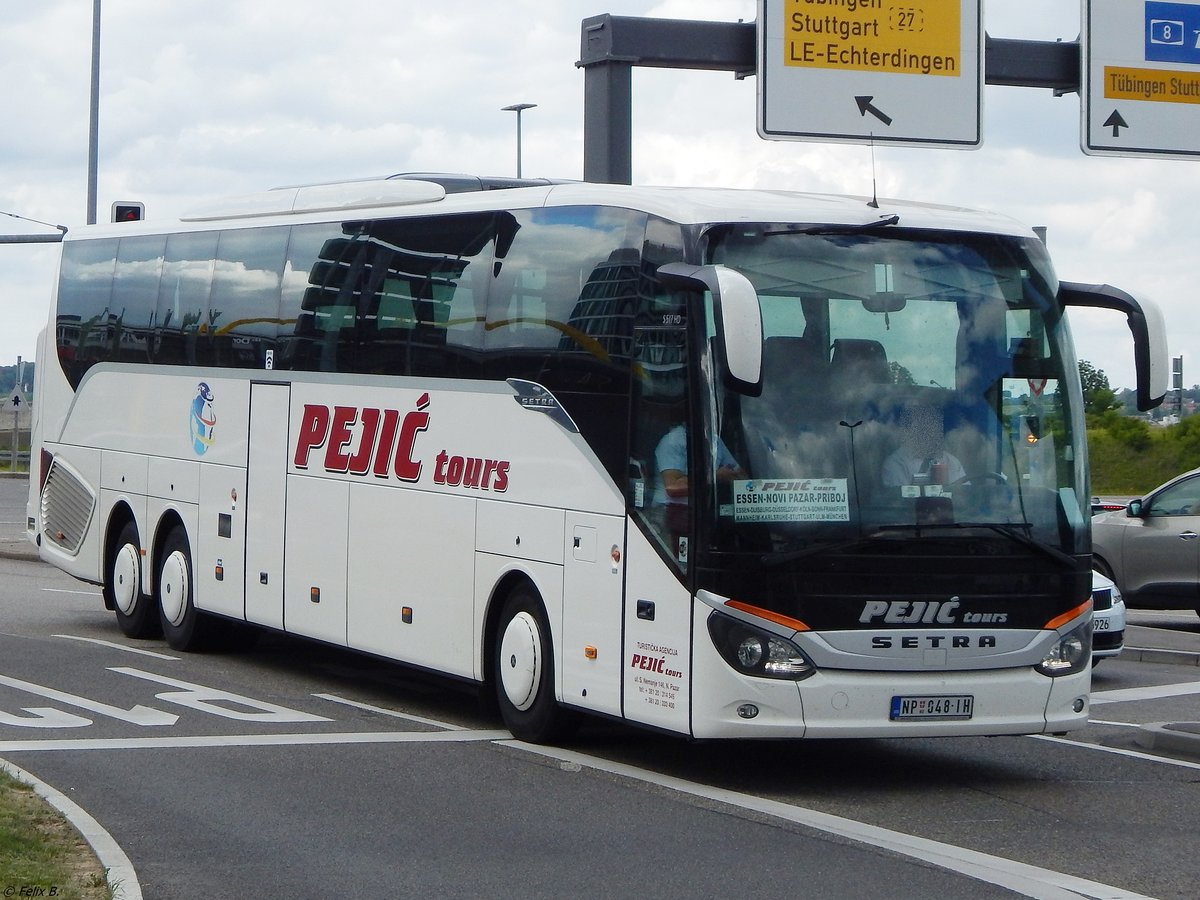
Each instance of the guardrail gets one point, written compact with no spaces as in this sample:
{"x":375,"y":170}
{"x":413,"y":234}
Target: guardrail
{"x":16,"y":462}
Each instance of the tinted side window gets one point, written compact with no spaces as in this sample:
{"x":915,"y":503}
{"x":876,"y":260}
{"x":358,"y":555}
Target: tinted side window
{"x":244,"y":303}
{"x":316,"y":322}
{"x":560,"y":310}
{"x":1182,"y":499}
{"x":422,"y":309}
{"x":135,"y":294}
{"x":182,"y":327}
{"x":84,"y":326}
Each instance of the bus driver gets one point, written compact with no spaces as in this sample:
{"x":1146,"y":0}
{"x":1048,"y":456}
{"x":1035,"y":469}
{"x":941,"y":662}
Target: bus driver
{"x":921,"y":456}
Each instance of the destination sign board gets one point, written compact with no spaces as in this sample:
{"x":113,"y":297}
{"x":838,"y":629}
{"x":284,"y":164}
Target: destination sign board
{"x":1141,"y":78}
{"x":871,"y":71}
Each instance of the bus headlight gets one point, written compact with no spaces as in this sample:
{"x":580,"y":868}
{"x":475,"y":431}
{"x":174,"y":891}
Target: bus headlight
{"x":753,"y":651}
{"x":1070,"y":653}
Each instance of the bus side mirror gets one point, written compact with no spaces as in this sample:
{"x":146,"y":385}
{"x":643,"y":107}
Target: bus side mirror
{"x":739,"y":319}
{"x":1149,"y":334}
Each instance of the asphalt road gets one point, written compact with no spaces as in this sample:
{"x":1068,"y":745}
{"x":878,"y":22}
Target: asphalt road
{"x":295,"y":770}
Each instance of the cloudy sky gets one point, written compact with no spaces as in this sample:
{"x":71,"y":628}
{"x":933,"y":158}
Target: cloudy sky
{"x":205,"y":98}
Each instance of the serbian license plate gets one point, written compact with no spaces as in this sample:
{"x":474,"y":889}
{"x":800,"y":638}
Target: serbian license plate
{"x":953,"y":706}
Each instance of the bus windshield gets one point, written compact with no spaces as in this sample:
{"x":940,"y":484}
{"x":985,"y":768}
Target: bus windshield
{"x":914,"y":383}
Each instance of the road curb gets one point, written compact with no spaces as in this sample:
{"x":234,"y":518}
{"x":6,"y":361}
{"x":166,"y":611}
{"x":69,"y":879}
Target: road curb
{"x":1154,"y":655}
{"x":1171,"y":738}
{"x":19,"y":550}
{"x":118,"y":870}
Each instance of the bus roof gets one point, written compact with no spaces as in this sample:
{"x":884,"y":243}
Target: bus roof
{"x":423,"y":195}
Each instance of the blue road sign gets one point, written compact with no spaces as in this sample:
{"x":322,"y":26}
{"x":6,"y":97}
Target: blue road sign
{"x":1172,"y":32}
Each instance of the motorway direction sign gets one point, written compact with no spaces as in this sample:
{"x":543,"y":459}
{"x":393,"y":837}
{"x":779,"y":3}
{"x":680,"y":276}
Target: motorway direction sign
{"x":1141,"y":78}
{"x":871,"y":71}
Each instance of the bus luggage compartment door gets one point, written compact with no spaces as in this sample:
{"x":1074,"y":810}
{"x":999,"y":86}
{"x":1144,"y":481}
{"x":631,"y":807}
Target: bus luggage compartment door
{"x":593,"y":576}
{"x":266,"y":484}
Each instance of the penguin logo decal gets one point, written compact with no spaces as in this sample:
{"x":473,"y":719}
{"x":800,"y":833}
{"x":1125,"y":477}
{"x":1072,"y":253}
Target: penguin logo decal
{"x":204,"y":419}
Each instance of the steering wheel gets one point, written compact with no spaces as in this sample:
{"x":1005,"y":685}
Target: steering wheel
{"x":995,"y":477}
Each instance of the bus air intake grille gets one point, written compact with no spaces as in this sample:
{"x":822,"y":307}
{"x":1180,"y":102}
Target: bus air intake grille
{"x":67,"y":507}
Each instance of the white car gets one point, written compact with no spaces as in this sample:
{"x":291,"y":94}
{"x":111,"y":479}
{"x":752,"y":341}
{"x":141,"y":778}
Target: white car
{"x":1108,"y":618}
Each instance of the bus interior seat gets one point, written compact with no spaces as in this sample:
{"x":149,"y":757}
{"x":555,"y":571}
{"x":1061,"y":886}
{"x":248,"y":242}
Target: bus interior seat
{"x":859,"y":370}
{"x":860,"y":361}
{"x":786,"y":426}
{"x":793,"y":366}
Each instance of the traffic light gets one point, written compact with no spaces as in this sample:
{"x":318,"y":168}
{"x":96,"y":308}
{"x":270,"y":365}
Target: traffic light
{"x":128,"y":211}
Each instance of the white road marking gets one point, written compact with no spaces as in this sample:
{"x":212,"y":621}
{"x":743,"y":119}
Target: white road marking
{"x":333,"y":698}
{"x":1135,"y":754}
{"x":219,"y":703}
{"x":1030,"y":881}
{"x":116,"y":646}
{"x":137,"y":715}
{"x":257,"y":740}
{"x":1155,"y":692}
{"x":65,"y":591}
{"x":44,"y":717}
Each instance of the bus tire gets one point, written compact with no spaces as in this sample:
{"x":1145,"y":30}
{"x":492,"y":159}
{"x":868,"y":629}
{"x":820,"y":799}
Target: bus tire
{"x":523,"y":671}
{"x":137,"y":615}
{"x":183,"y":626}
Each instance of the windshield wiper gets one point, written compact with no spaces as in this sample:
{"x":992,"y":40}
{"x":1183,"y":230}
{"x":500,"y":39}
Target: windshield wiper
{"x":881,"y":222}
{"x":775,"y":560}
{"x":1018,"y":533}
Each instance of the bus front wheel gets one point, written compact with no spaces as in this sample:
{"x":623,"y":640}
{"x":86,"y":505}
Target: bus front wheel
{"x":523,"y":671}
{"x":136,"y":614}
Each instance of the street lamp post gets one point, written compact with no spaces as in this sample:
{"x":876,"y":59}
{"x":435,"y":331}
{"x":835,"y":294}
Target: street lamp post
{"x":94,"y":122}
{"x":518,"y":108}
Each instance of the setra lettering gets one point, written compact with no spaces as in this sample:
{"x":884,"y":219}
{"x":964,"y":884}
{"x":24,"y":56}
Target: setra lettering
{"x":933,"y":642}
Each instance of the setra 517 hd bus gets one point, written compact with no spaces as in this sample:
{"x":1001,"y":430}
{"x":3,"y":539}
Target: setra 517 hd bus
{"x":720,"y":463}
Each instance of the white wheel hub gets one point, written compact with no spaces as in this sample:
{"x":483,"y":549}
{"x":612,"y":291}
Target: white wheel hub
{"x":173,"y":587}
{"x":521,"y":660}
{"x":126,"y":578}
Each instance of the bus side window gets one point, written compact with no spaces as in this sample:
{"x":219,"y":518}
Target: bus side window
{"x":560,"y":306}
{"x":135,"y":293}
{"x":181,"y":319}
{"x":425,"y":275}
{"x":244,"y":303}
{"x":87,"y":270}
{"x":322,"y":284}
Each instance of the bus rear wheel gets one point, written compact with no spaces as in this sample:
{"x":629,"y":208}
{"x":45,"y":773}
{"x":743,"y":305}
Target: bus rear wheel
{"x":523,"y":671}
{"x":136,"y":614}
{"x":183,"y":626}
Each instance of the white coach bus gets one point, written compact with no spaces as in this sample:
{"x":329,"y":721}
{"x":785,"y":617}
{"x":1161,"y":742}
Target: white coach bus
{"x":719,"y":463}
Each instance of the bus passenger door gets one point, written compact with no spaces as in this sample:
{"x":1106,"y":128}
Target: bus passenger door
{"x":656,"y":674}
{"x":592,"y":588}
{"x":266,"y":483}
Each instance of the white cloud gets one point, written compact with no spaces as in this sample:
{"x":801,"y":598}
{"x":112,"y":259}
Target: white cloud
{"x":201,"y":98}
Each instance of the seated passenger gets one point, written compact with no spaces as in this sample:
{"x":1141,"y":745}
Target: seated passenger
{"x":921,"y":457}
